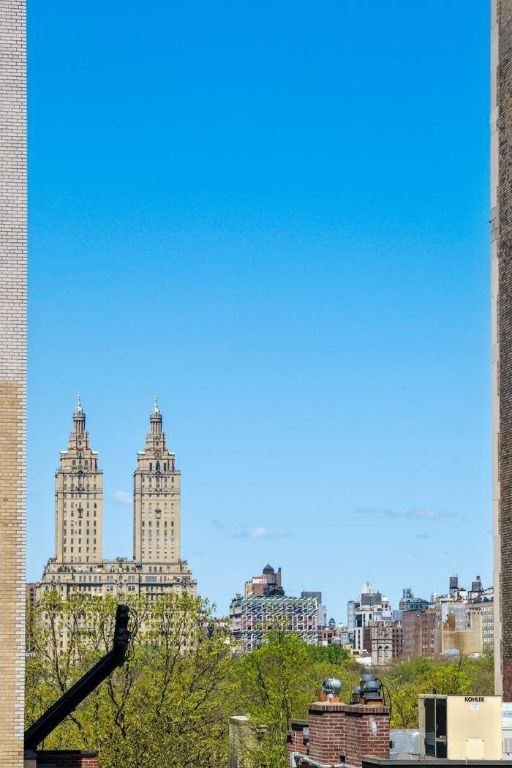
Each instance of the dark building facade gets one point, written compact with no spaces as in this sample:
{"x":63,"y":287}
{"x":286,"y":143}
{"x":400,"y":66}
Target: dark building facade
{"x":501,"y":279}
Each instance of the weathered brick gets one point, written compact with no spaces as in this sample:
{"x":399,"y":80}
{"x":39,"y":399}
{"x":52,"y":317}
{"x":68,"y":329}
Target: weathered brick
{"x":501,"y":252}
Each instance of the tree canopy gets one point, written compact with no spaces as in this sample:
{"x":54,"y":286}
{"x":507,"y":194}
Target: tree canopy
{"x":171,"y":701}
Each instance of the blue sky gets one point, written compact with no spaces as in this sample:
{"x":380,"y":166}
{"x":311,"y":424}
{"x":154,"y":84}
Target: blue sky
{"x":275,"y":216}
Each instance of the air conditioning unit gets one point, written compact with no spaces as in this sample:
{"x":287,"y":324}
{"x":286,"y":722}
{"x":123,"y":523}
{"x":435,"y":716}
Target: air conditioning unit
{"x":506,"y":730}
{"x":461,"y":727}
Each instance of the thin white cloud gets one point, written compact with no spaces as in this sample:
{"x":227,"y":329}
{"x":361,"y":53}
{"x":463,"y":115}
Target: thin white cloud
{"x":409,"y":514}
{"x":261,"y":533}
{"x":123,"y":498}
{"x":425,"y":514}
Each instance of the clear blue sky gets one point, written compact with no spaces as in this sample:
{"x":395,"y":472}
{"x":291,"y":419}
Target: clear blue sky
{"x":274,"y":215}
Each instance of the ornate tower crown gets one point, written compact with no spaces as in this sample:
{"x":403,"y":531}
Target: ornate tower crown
{"x":156,"y":498}
{"x":79,"y":498}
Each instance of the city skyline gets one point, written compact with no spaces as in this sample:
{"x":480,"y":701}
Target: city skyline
{"x":79,"y":445}
{"x":287,"y":242}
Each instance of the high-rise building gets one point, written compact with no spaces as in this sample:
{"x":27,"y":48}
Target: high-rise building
{"x":371,"y":607}
{"x":322,"y":610}
{"x":156,"y":499}
{"x":501,"y":287}
{"x":251,"y":618}
{"x":418,"y":633}
{"x":78,"y":565}
{"x":79,"y":499}
{"x":483,"y":602}
{"x":385,"y":641}
{"x":265,"y":607}
{"x":13,"y":294}
{"x":454,"y":584}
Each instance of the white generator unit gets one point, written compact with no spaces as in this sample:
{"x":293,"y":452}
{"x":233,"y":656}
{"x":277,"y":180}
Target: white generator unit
{"x":460,"y":727}
{"x":506,"y":730}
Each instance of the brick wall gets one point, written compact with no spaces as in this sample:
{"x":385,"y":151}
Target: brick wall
{"x":12,"y":377}
{"x":326,"y":732}
{"x":339,"y":733}
{"x":298,"y":737}
{"x":366,"y":733}
{"x":501,"y":251}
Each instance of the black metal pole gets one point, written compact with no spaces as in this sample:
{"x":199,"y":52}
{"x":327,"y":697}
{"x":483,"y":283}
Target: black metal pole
{"x":83,"y":687}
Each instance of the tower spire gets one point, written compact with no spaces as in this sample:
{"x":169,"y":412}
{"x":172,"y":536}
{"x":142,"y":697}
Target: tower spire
{"x":155,"y":419}
{"x":79,"y":418}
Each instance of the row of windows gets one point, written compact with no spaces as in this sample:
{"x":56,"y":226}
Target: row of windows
{"x":149,"y":552}
{"x":78,"y":528}
{"x":148,"y":480}
{"x":78,"y":549}
{"x":85,"y":462}
{"x":157,"y":466}
{"x":72,"y":504}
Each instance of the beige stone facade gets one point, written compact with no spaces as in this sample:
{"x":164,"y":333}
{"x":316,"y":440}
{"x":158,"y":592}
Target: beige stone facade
{"x":156,"y":497}
{"x":13,"y":248}
{"x":78,"y":499}
{"x":79,"y":565}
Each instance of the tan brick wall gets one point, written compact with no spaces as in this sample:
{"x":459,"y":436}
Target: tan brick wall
{"x":12,"y":377}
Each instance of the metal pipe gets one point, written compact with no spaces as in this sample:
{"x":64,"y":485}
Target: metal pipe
{"x":70,"y":700}
{"x":303,"y":761}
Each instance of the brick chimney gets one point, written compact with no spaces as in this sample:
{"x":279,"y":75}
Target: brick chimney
{"x":338,"y":733}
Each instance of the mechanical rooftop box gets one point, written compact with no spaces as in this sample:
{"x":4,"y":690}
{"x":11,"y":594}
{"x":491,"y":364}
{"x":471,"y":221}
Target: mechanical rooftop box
{"x":460,"y":727}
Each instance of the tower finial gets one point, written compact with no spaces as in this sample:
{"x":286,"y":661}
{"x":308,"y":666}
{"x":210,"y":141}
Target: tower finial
{"x":156,"y":409}
{"x":79,"y":403}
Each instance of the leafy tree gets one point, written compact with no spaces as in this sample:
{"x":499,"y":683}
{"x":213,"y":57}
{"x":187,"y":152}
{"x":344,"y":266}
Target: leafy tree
{"x":406,"y":681}
{"x":277,"y":683}
{"x":171,"y":702}
{"x":166,"y":705}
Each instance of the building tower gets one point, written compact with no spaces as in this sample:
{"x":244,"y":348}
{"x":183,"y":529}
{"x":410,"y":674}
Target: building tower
{"x":13,"y":319}
{"x":156,"y":499}
{"x":78,"y":499}
{"x":501,"y":287}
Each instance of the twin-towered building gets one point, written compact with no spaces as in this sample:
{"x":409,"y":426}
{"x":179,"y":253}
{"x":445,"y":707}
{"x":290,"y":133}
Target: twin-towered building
{"x":78,"y":564}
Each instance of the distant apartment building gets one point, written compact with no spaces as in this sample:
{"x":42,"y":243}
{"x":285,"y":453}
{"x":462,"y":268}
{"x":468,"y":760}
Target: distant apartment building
{"x":335,"y":635}
{"x":251,"y":618}
{"x":78,"y":564}
{"x":411,"y":603}
{"x":454,"y":603}
{"x":322,"y":610}
{"x":463,"y":642}
{"x":267,"y":584}
{"x":418,"y":633}
{"x":465,"y":618}
{"x":265,"y":607}
{"x":371,"y":608}
{"x":386,"y":642}
{"x":483,"y":602}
